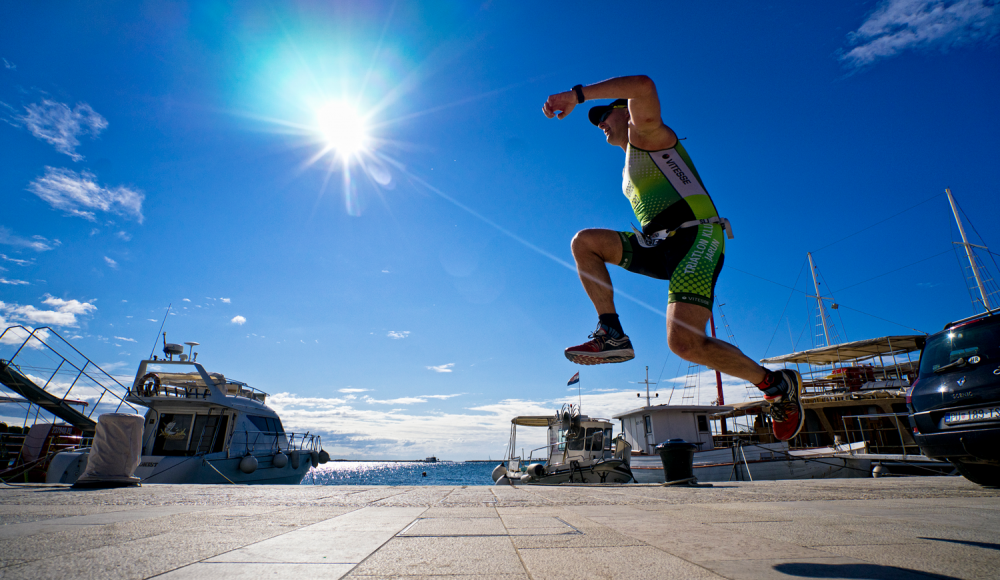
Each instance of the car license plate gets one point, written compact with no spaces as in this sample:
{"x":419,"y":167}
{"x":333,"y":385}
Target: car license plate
{"x":972,"y":416}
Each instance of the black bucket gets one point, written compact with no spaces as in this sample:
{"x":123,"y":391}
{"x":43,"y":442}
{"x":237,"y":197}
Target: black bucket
{"x":677,"y":456}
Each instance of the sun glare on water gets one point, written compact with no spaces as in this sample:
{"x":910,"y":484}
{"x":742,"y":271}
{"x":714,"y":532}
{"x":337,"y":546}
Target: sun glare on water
{"x":343,"y":128}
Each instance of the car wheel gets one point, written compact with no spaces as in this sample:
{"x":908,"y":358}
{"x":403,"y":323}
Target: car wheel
{"x":983,"y":474}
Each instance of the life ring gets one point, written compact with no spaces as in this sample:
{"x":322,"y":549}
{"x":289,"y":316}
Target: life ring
{"x":144,"y":388}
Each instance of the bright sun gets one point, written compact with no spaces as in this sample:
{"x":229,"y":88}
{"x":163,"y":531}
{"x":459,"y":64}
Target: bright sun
{"x":343,"y":128}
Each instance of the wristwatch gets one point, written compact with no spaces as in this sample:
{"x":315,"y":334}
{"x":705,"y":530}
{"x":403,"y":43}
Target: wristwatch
{"x":578,"y":89}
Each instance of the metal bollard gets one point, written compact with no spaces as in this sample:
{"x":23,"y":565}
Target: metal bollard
{"x":677,"y":456}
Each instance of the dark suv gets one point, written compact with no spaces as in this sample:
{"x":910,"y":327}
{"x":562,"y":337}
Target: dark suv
{"x":955,"y":401}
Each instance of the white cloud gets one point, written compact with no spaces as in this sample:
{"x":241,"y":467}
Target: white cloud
{"x":350,"y":390}
{"x":9,"y":65}
{"x":385,"y":271}
{"x":899,"y":25}
{"x":238,"y":320}
{"x":442,"y":368}
{"x":124,"y":339}
{"x":186,"y":299}
{"x":124,"y":236}
{"x":37,"y":243}
{"x":152,"y":320}
{"x":399,"y":401}
{"x":14,"y":282}
{"x":15,"y":260}
{"x":61,"y":126}
{"x":79,"y":194}
{"x":111,"y":262}
{"x":225,"y":300}
{"x":442,"y":397}
{"x":64,"y":314}
{"x":398,"y":334}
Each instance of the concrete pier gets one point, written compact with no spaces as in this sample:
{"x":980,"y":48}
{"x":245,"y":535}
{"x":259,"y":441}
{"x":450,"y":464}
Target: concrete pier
{"x":933,"y":527}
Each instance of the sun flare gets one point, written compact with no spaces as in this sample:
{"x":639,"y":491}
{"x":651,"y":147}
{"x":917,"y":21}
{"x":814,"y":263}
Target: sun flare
{"x":343,"y":128}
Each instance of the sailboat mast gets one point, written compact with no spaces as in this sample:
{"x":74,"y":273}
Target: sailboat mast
{"x":819,"y":299}
{"x":968,"y":251}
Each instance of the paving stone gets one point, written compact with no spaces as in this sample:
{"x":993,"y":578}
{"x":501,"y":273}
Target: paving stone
{"x":435,"y":556}
{"x":627,"y":563}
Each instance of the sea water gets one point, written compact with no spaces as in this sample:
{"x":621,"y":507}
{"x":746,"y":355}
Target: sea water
{"x":401,"y":473}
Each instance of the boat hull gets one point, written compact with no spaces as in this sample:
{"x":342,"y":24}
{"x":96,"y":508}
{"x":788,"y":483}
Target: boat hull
{"x":613,"y":471}
{"x":67,"y":466}
{"x":769,"y":462}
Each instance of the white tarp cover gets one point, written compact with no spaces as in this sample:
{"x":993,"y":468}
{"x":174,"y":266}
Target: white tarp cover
{"x":116,"y":451}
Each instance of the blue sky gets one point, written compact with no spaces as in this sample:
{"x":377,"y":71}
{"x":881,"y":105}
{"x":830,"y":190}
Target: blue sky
{"x":160,"y":153}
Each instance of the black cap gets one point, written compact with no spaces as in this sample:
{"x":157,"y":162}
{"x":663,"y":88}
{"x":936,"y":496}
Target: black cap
{"x":596,"y":112}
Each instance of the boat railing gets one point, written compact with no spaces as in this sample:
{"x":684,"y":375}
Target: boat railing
{"x":879,"y":436}
{"x":587,"y":443}
{"x":75,"y":376}
{"x":267,"y":442}
{"x":153,"y":388}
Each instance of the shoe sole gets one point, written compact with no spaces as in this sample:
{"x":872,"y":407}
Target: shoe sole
{"x":798,"y":401}
{"x":584,"y":359}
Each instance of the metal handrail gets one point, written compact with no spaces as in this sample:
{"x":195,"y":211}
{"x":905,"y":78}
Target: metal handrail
{"x":870,"y":445}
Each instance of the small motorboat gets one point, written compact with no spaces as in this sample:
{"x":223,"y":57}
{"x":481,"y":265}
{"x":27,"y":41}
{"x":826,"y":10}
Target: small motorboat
{"x":580,"y":449}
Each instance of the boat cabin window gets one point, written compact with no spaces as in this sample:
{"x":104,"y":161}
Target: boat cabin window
{"x":607,"y":438}
{"x":176,"y":435}
{"x":595,"y":439}
{"x":703,"y":423}
{"x":172,"y":434}
{"x":574,"y":438}
{"x":649,"y":423}
{"x":266,"y":424}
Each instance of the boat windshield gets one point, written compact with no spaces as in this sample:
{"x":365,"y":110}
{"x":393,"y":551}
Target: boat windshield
{"x":977,"y":339}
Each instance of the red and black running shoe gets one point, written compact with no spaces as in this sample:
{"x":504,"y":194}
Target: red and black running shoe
{"x":787,"y":416}
{"x":606,"y":346}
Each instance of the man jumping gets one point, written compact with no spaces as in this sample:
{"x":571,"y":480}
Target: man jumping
{"x":682,"y":240}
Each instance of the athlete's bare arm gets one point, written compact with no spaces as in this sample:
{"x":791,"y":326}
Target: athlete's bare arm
{"x":646,"y":128}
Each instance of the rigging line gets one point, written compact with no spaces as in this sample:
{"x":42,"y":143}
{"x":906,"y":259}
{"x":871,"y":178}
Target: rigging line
{"x":787,"y":302}
{"x":841,"y":305}
{"x":882,"y":319}
{"x":981,"y":238}
{"x":165,"y":314}
{"x":834,"y":299}
{"x":961,"y":268}
{"x":892,"y":271}
{"x":879,"y":222}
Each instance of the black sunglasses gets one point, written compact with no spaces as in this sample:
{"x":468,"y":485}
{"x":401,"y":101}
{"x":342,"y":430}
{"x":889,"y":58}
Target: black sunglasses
{"x":608,"y":112}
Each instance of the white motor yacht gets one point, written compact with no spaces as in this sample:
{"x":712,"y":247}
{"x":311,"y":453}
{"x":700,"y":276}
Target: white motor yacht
{"x":202,"y":427}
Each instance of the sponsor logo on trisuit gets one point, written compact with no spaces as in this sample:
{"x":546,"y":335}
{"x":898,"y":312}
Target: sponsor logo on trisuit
{"x":677,"y":170}
{"x":703,"y":249}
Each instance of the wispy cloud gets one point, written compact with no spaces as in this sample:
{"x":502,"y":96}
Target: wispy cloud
{"x":899,"y":25}
{"x":8,"y":65}
{"x":398,"y":334}
{"x":186,"y":299}
{"x":238,"y":320}
{"x":442,"y":368}
{"x":399,"y":401}
{"x":124,"y":339}
{"x":79,"y":194}
{"x":64,"y":312}
{"x":124,"y":236}
{"x":352,"y":390}
{"x":225,"y":300}
{"x":60,"y":126}
{"x":36,"y":243}
{"x":17,"y":261}
{"x":14,"y":282}
{"x":111,"y":262}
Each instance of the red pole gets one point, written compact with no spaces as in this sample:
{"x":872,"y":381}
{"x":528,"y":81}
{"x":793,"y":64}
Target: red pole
{"x":718,"y":379}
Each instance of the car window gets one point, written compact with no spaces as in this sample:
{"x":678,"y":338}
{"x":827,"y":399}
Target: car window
{"x":980,"y":338}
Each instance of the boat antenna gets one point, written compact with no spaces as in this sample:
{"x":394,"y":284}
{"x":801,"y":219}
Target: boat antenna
{"x":155,"y":340}
{"x":647,"y":383}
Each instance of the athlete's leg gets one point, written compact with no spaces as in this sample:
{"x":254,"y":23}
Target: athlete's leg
{"x":687,"y":339}
{"x":592,"y":250}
